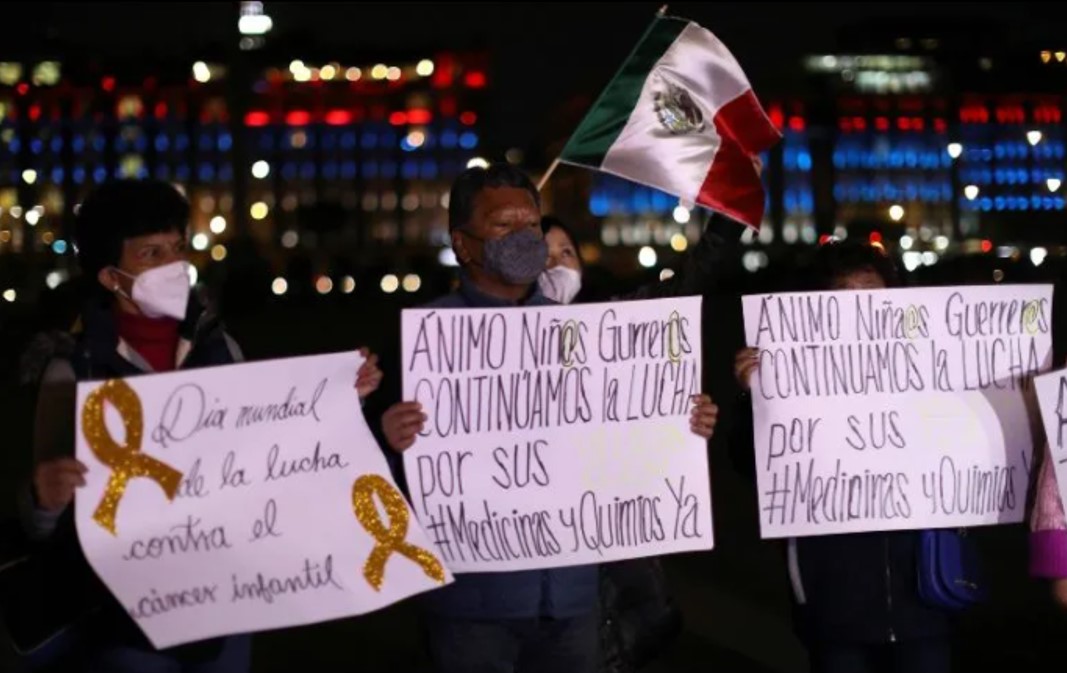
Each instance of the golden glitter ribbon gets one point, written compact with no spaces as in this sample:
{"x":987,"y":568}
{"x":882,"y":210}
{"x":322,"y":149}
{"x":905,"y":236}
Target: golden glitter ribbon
{"x":390,"y":540}
{"x":125,"y":460}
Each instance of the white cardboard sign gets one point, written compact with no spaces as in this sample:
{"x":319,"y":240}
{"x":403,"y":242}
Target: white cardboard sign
{"x":557,"y":435}
{"x":895,"y":409}
{"x":283,"y":510}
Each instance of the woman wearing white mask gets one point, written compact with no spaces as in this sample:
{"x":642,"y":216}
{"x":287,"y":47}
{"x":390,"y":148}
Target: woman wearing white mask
{"x":140,"y":317}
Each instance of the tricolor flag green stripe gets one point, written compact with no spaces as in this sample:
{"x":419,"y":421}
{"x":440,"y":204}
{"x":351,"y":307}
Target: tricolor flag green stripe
{"x":607,"y":118}
{"x":680,"y":116}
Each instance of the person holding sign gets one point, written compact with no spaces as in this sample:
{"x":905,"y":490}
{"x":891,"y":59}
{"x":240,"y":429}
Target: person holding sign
{"x":140,"y":318}
{"x":534,"y":620}
{"x":860,"y":608}
{"x":638,"y":616}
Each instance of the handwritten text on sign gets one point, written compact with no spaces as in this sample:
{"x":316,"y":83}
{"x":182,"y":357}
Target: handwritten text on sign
{"x":1052,"y":396}
{"x":895,"y":409}
{"x":557,"y":435}
{"x":243,"y":498}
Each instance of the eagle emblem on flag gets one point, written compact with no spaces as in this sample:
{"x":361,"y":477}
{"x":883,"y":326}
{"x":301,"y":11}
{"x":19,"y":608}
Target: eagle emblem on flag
{"x":676,"y":110}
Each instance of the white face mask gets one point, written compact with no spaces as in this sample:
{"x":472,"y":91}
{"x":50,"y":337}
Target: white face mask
{"x":162,"y":291}
{"x":560,"y":284}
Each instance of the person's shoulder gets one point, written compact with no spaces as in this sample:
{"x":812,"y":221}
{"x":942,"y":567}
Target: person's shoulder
{"x":450,"y":300}
{"x":47,"y":353}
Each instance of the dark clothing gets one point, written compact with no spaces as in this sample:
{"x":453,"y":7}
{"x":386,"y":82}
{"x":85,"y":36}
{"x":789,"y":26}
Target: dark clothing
{"x":558,"y":593}
{"x":98,"y":354}
{"x":532,"y":645}
{"x":863,"y":588}
{"x":926,"y":655}
{"x":638,"y":617}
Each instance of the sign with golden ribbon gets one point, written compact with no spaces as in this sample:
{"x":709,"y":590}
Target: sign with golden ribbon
{"x":392,"y":539}
{"x":125,"y":460}
{"x":263,"y":464}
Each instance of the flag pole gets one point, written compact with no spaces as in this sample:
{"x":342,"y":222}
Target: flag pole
{"x":544,"y":178}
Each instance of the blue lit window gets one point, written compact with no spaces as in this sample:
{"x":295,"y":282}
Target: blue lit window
{"x":289,"y":170}
{"x":36,"y":145}
{"x":140,"y":144}
{"x":206,"y":142}
{"x":370,"y":169}
{"x":57,"y":144}
{"x":181,"y":142}
{"x":406,"y":146}
{"x":99,"y":174}
{"x":206,"y":172}
{"x":329,"y":170}
{"x":99,"y":143}
{"x":57,"y":175}
{"x":79,"y":175}
{"x":369,"y":141}
{"x":599,"y":205}
{"x":641,"y":200}
{"x":348,"y":170}
{"x":225,"y":142}
{"x":307,"y":170}
{"x":182,"y":172}
{"x":429,"y":170}
{"x":78,"y":144}
{"x":661,"y":202}
{"x":162,"y":143}
{"x":448,"y":140}
{"x":468,"y":140}
{"x":348,"y":140}
{"x":410,"y":169}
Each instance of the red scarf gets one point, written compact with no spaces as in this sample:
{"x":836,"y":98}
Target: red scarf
{"x":155,"y":339}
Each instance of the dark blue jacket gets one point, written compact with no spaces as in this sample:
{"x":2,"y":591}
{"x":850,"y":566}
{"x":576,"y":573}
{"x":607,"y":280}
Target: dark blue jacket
{"x":558,"y":593}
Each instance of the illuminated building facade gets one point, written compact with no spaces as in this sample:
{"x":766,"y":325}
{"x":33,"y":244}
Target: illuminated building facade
{"x":926,"y":145}
{"x":330,"y":160}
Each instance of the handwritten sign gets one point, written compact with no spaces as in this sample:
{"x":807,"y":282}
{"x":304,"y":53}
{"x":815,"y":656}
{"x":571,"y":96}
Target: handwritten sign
{"x":895,"y":409}
{"x":243,"y":498}
{"x":557,"y":435}
{"x":1052,"y":398}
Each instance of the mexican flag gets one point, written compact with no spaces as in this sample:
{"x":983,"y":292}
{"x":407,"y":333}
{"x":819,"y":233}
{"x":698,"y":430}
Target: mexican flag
{"x":680,"y":116}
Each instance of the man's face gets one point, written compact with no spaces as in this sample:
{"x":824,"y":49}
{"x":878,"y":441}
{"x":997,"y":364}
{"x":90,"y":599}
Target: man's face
{"x":498,"y":211}
{"x":141,"y":253}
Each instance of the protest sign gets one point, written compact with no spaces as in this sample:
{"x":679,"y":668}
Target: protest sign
{"x":242,"y":498}
{"x":557,"y":435}
{"x":1052,"y":398}
{"x":895,"y":409}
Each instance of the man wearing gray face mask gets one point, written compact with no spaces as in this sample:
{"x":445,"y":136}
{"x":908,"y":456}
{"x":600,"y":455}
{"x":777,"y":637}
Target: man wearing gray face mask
{"x":529,"y":621}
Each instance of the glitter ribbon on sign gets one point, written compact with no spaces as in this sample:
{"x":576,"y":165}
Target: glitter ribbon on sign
{"x":125,"y":460}
{"x":392,"y":539}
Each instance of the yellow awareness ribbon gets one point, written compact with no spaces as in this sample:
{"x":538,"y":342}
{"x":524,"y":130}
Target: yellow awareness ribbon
{"x":392,"y":539}
{"x":125,"y":460}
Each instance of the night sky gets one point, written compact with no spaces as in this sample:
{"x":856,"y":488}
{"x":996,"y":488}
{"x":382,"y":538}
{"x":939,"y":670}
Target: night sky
{"x":545,"y":53}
